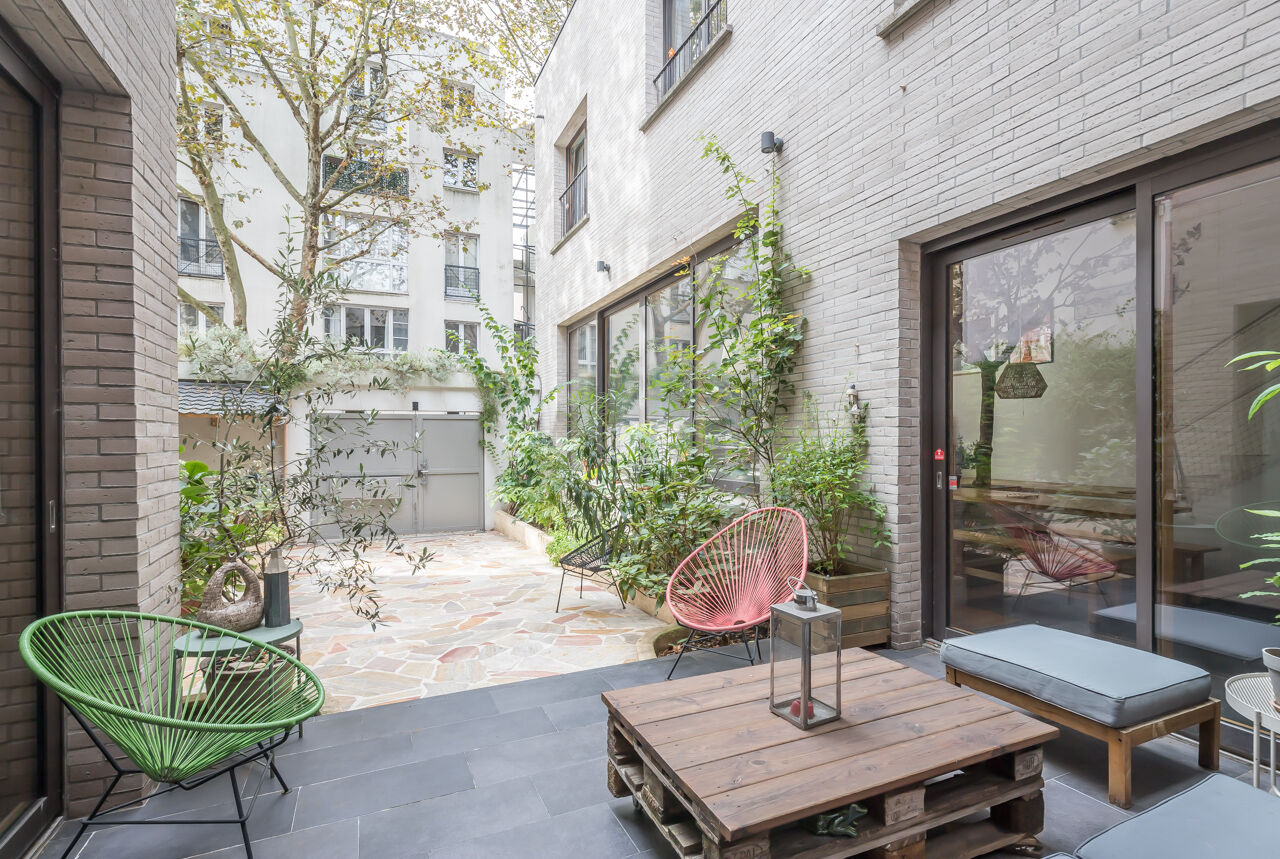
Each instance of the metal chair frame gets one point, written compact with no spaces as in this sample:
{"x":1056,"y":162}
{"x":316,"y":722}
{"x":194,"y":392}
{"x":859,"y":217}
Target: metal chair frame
{"x":590,"y":562}
{"x":1054,"y":555}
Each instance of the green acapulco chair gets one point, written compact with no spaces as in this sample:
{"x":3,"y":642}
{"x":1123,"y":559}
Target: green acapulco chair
{"x":181,"y":720}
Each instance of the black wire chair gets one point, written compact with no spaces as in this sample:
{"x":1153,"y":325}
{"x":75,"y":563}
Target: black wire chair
{"x":591,"y":562}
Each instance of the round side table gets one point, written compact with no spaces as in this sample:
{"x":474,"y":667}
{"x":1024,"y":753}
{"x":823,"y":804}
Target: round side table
{"x":1250,"y":695}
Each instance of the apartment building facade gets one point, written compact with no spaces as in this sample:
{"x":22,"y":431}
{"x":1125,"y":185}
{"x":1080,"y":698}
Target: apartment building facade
{"x":411,"y":292}
{"x":1035,"y":233}
{"x":88,"y":431}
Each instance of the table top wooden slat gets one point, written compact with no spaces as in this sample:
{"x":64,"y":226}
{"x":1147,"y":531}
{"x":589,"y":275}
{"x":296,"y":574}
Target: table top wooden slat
{"x":750,"y":771}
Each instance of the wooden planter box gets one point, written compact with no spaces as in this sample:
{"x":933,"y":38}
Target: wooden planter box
{"x":649,"y":605}
{"x":862,"y":595}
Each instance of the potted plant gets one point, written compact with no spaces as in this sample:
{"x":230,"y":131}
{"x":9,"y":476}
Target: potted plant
{"x":820,"y":474}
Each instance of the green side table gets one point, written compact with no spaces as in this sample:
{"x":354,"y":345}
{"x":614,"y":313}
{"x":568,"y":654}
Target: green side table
{"x":197,"y":644}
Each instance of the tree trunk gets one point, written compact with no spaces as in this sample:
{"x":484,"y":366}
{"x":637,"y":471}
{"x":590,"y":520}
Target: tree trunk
{"x":982,"y":451}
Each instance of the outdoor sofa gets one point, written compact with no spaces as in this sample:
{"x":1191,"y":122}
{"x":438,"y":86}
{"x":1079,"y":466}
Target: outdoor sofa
{"x":1220,"y":816}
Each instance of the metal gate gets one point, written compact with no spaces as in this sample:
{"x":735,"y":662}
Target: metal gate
{"x":436,"y":482}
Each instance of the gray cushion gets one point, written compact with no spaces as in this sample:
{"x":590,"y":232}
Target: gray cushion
{"x":1220,"y":816}
{"x":1109,"y":683}
{"x":1060,"y":856}
{"x":1236,"y":637}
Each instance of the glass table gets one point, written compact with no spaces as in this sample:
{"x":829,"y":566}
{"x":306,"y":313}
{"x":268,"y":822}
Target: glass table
{"x":1250,"y":695}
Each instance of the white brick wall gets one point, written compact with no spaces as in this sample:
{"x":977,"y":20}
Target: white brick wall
{"x":971,"y":109}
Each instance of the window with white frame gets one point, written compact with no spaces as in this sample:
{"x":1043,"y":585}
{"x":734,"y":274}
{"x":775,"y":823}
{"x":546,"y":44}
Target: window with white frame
{"x":461,"y":337}
{"x":457,"y":100}
{"x":460,"y":170}
{"x":198,"y":252}
{"x":382,"y":328}
{"x":461,"y":267}
{"x":192,"y":322}
{"x":364,"y":93}
{"x":371,"y":253}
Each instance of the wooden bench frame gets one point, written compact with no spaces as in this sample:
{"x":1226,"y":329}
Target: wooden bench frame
{"x":1120,"y":741}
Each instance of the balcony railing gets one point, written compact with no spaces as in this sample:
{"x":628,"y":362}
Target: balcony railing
{"x":367,"y":176}
{"x":199,"y":257}
{"x":574,"y":201}
{"x":462,"y":281}
{"x":682,"y":59}
{"x":524,"y":330}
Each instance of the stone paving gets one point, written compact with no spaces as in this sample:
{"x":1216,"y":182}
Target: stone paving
{"x":481,"y":614}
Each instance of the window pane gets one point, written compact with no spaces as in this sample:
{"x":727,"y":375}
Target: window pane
{"x":1043,"y":423}
{"x":471,"y":336}
{"x":670,"y":329}
{"x":189,"y":318}
{"x":353,"y":324}
{"x":1216,"y":298}
{"x":400,"y":330}
{"x":582,"y":362}
{"x":622,"y":371}
{"x":188,"y":219}
{"x":378,"y":329}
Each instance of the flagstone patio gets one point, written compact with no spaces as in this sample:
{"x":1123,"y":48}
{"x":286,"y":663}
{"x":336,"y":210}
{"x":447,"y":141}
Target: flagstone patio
{"x":482,"y":614}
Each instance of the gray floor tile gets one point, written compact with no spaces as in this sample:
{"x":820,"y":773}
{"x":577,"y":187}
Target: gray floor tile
{"x":576,"y":712}
{"x":339,"y":840}
{"x":573,"y":787}
{"x":479,"y":733}
{"x":644,"y":835}
{"x":519,"y":696}
{"x":493,"y":764}
{"x":272,"y":815}
{"x":382,"y":789}
{"x":353,"y":758}
{"x":588,"y":833}
{"x":410,"y":716}
{"x":412,"y":830}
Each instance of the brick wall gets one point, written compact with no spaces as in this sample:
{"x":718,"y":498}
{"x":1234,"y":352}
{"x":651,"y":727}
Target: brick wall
{"x":114,"y":63}
{"x":972,"y":109}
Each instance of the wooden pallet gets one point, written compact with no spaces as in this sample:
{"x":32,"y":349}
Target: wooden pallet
{"x":944,"y":774}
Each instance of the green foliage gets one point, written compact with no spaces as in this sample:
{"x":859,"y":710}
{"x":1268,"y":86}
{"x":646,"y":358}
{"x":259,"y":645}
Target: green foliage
{"x":536,"y":480}
{"x":737,"y":377}
{"x":254,"y":499}
{"x":562,"y":543}
{"x":1267,"y":540}
{"x":820,"y":474}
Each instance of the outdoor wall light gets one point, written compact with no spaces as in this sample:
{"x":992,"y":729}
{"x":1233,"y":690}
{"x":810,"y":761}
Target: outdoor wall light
{"x":601,"y":265}
{"x":851,"y":398}
{"x":770,"y":143}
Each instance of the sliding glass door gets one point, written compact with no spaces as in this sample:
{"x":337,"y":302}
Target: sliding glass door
{"x":1217,"y":279}
{"x":1042,"y":427}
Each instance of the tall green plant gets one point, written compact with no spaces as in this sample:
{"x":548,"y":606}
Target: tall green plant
{"x":737,"y":378}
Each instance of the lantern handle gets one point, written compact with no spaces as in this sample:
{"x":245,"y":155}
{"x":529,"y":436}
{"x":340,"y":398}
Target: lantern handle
{"x":799,"y":583}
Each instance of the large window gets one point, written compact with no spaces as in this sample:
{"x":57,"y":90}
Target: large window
{"x":373,"y":254}
{"x":198,"y":251}
{"x":1217,"y":469}
{"x":623,"y":339}
{"x":461,"y":267}
{"x":668,"y":338}
{"x":583,"y":376}
{"x":380,"y":328}
{"x":1043,"y":427}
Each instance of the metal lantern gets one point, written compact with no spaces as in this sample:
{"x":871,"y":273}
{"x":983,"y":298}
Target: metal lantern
{"x":276,"y":583}
{"x":798,"y":631}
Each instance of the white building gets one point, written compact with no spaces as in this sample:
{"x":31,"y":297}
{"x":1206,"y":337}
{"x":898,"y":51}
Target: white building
{"x":928,"y":150}
{"x":412,"y":293}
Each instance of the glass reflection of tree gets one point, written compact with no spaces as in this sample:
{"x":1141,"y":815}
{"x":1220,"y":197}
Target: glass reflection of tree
{"x":671,"y":337}
{"x":996,"y":297}
{"x":624,"y":371}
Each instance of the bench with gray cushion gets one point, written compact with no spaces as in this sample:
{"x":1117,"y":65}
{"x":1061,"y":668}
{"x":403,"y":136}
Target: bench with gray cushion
{"x":1115,"y":693}
{"x":1220,"y":816}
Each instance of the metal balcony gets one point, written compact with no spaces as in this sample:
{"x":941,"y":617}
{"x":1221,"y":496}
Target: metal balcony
{"x":199,"y":257}
{"x":574,"y":201}
{"x":462,"y":281}
{"x":683,"y":58}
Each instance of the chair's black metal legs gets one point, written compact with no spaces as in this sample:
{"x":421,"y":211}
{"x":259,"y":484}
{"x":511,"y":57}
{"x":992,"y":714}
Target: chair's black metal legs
{"x":560,"y":592}
{"x":244,"y":818}
{"x":679,"y":654}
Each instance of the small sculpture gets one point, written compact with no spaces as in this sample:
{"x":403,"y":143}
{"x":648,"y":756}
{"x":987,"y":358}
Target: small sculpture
{"x":240,"y":614}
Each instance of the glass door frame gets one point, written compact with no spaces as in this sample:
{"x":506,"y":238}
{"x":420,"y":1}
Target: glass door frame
{"x":24,"y":71}
{"x":1136,"y":191}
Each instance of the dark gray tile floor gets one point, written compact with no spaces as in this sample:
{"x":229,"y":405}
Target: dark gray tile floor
{"x":519,"y":771}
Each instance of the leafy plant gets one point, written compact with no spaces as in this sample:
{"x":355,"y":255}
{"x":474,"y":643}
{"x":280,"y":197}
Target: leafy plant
{"x":254,"y":498}
{"x":1268,"y":361}
{"x":820,"y":474}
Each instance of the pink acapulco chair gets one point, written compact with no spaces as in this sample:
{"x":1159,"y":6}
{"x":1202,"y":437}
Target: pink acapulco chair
{"x":729,"y":582}
{"x":1066,"y":562}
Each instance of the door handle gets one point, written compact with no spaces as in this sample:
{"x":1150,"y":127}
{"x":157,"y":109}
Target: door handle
{"x":938,"y":480}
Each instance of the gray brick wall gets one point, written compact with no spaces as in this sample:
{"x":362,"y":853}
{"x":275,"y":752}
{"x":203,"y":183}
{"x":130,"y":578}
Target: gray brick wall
{"x":114,"y":63}
{"x":972,"y":109}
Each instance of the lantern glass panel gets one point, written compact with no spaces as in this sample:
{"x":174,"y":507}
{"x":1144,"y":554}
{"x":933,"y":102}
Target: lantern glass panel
{"x":802,"y":684}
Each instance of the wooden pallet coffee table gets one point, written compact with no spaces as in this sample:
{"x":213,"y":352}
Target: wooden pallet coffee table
{"x":723,"y":778}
